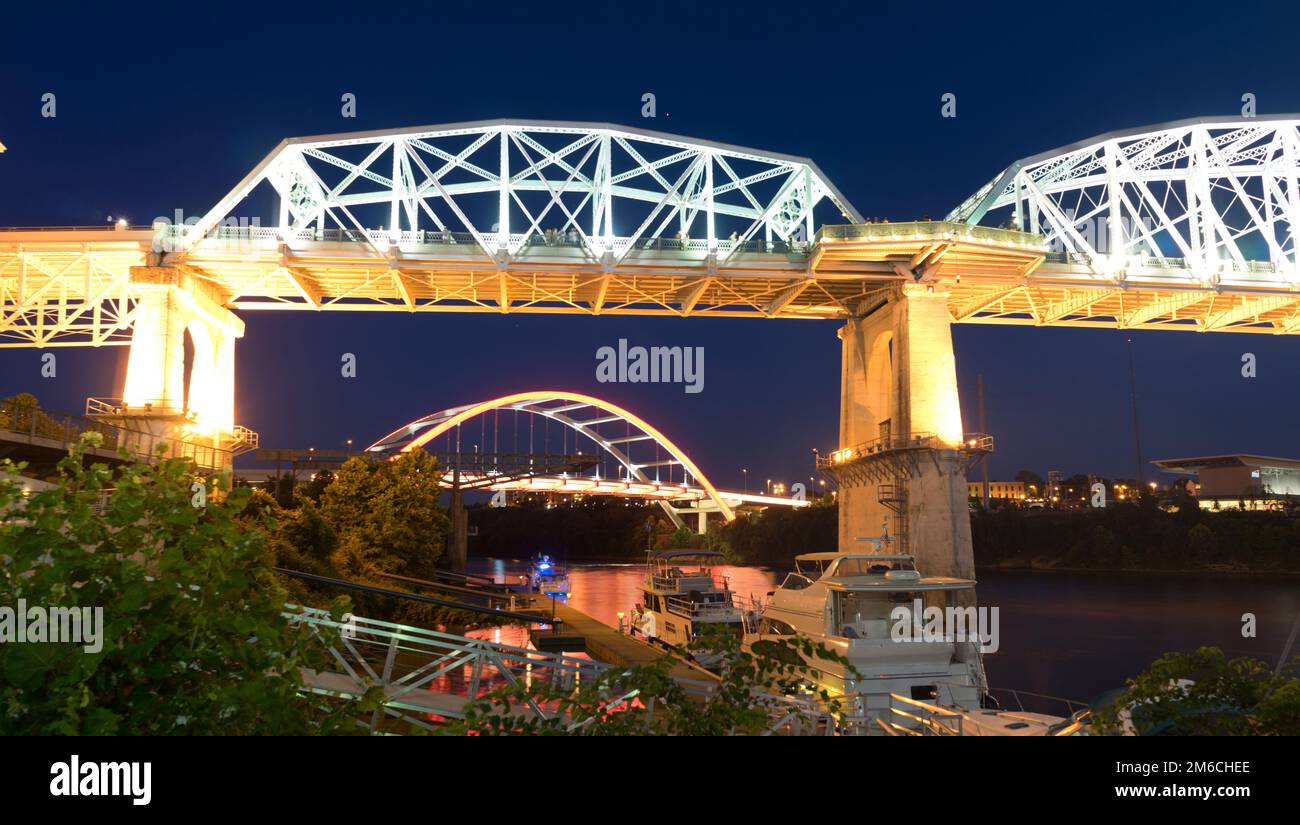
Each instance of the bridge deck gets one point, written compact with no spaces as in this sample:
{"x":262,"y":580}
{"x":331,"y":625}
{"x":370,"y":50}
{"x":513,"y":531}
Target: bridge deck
{"x":76,"y":287}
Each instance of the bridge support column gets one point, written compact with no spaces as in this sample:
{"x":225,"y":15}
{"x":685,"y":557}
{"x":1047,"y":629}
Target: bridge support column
{"x":155,"y":372}
{"x":458,"y":541}
{"x":155,"y":397}
{"x":899,"y":389}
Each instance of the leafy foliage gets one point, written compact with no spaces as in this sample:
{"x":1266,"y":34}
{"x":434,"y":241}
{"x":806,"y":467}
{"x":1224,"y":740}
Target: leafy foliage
{"x":776,"y":535}
{"x":370,"y":520}
{"x":386,"y":515}
{"x":194,"y":640}
{"x":1206,"y":694}
{"x":647,"y":700}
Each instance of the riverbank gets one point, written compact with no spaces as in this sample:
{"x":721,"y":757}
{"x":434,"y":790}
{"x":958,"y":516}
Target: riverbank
{"x":1046,"y":566}
{"x":1120,"y":538}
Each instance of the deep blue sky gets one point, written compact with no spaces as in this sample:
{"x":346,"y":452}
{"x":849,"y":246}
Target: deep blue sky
{"x":160,"y":111}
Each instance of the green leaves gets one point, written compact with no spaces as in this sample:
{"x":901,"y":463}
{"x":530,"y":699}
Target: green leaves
{"x":648,"y":701}
{"x":193,"y":637}
{"x":1205,"y":693}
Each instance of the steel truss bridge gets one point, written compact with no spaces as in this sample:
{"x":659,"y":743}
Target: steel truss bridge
{"x":1188,"y":225}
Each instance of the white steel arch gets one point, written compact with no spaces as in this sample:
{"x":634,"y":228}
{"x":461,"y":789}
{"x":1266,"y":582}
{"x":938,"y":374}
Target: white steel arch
{"x":607,"y":188}
{"x":623,"y":435}
{"x":1214,"y":198}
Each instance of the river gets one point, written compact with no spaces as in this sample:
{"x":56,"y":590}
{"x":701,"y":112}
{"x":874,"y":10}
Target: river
{"x":1073,"y":635}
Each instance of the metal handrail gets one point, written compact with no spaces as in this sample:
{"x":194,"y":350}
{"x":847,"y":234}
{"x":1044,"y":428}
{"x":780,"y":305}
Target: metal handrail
{"x":367,"y":652}
{"x":519,"y":240}
{"x":34,"y":423}
{"x":971,"y":442}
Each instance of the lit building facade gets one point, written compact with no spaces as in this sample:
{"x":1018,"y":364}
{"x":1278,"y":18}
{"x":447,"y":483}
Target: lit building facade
{"x":1244,"y":481}
{"x":1010,"y":490}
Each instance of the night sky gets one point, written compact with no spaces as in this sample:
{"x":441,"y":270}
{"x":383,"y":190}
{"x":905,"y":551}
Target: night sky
{"x":161,"y":110}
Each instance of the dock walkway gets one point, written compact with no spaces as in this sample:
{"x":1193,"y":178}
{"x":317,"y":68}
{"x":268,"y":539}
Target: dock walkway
{"x":579,"y":633}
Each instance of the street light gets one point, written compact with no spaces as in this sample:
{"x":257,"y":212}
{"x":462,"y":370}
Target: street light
{"x":746,"y":474}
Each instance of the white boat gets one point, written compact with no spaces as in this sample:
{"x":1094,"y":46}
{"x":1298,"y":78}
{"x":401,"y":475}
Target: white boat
{"x":680,"y":596}
{"x":851,"y":603}
{"x":844,"y":601}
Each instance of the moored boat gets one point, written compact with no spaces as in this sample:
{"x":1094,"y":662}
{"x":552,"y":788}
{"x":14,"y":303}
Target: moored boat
{"x":854,"y":604}
{"x":681,"y":596}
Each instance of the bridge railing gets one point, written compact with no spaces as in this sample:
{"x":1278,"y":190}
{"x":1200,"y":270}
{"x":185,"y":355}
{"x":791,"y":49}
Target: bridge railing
{"x":1167,"y":262}
{"x":971,"y":442}
{"x":27,"y":422}
{"x":518,"y":241}
{"x":929,"y":229}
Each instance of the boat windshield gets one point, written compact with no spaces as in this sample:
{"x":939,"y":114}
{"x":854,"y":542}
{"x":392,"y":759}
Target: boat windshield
{"x":861,"y":566}
{"x":862,"y":615}
{"x":811,"y":568}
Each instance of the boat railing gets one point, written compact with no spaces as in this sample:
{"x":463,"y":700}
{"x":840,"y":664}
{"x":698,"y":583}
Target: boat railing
{"x":687,"y":581}
{"x":913,"y":717}
{"x":810,"y":714}
{"x":688,"y":609}
{"x":1026,"y":701}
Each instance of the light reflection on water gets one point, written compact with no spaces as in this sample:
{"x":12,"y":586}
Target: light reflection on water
{"x":602,"y":591}
{"x":1062,"y":634}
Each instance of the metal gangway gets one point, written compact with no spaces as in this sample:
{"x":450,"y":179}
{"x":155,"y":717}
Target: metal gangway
{"x":427,"y":676}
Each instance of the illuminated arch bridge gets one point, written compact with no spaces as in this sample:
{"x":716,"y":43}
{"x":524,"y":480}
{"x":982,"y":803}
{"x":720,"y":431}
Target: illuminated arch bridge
{"x":636,"y":459}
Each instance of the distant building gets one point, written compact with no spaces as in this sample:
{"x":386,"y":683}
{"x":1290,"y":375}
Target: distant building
{"x":1011,"y":490}
{"x":1252,"y":482}
{"x":1054,"y":484}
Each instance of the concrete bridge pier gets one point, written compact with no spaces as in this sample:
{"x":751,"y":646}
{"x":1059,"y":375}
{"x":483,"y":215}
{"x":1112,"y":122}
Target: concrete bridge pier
{"x":157,"y":401}
{"x":898,"y":395}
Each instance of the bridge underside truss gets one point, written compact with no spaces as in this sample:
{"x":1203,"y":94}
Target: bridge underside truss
{"x":645,"y":463}
{"x":67,"y":294}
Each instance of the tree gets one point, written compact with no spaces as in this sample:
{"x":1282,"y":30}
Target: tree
{"x":1031,"y":479}
{"x":192,"y":639}
{"x":386,"y":515}
{"x":1206,"y":694}
{"x":684,"y":537}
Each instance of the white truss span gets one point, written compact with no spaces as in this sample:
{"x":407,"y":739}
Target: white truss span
{"x":597,"y":188}
{"x":1184,"y":226}
{"x":649,"y":461}
{"x":1205,"y":202}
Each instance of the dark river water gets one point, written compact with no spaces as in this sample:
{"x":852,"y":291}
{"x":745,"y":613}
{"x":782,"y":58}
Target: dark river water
{"x":1063,"y":634}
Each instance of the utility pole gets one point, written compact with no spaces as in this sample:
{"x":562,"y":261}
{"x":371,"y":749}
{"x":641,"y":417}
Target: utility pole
{"x":1137,"y":431}
{"x":984,"y":459}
